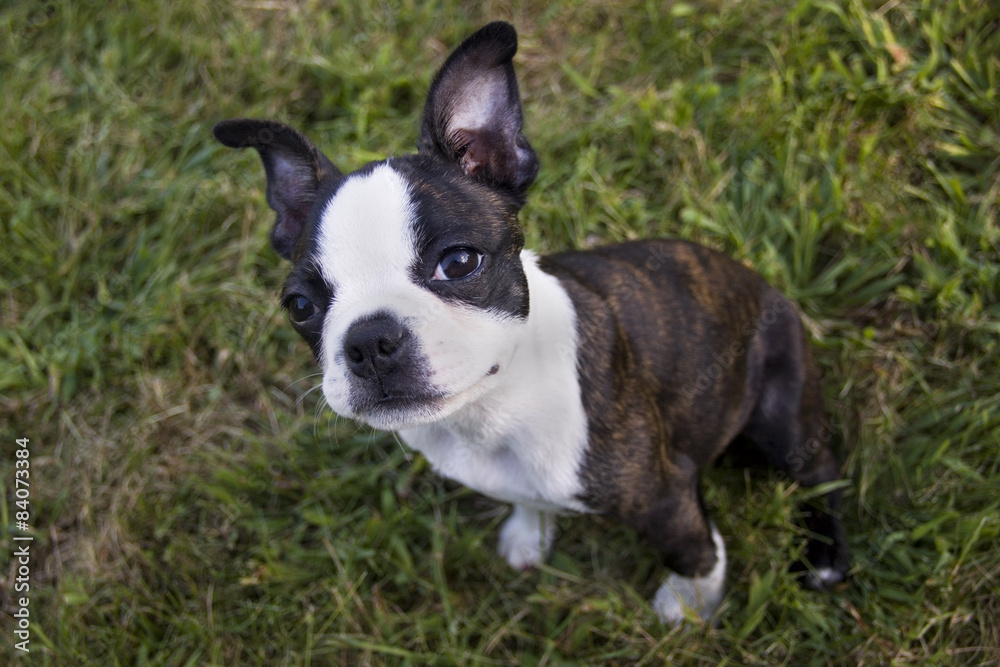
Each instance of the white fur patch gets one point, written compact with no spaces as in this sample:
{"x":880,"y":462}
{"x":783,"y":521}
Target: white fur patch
{"x":366,"y":240}
{"x":480,"y":106}
{"x":701,"y":595}
{"x":526,"y":537}
{"x":829,"y":576}
{"x":823,"y":578}
{"x":522,"y":441}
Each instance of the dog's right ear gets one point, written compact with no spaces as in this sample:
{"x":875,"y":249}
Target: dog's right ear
{"x":295,"y":169}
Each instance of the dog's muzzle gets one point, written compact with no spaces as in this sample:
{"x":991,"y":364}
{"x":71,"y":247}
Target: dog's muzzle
{"x":388,"y":372}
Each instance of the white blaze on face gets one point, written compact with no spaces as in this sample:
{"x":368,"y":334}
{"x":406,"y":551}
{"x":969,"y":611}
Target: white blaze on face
{"x":366,"y":242}
{"x":366,"y":250}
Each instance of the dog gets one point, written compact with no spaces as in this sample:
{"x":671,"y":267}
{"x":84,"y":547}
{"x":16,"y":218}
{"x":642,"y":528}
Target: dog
{"x":598,"y":381}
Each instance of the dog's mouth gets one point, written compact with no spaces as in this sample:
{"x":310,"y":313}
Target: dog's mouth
{"x":398,"y":411}
{"x":405,"y":402}
{"x":395,"y":411}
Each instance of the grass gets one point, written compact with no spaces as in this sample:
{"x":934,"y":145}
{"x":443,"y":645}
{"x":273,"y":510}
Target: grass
{"x":192,"y":504}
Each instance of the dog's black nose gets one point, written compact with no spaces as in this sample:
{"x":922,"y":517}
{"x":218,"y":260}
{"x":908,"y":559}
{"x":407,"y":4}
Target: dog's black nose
{"x":374,"y":346}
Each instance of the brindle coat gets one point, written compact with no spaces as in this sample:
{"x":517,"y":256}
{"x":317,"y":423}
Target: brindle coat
{"x":682,"y":351}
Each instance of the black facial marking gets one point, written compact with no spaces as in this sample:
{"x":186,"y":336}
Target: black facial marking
{"x":306,"y":297}
{"x":456,"y":213}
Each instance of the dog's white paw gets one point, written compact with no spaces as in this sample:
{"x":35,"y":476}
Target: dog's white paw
{"x":702,"y":595}
{"x":526,"y":537}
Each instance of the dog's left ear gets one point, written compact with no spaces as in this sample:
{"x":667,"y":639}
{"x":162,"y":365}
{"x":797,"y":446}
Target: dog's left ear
{"x":473,"y":112}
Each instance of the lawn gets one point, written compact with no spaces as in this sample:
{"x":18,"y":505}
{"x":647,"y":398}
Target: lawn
{"x":191,"y":502}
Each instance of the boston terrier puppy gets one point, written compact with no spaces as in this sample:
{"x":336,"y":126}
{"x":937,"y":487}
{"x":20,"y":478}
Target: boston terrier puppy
{"x":600,"y":381}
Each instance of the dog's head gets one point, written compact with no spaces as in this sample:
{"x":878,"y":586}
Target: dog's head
{"x":407,"y":280}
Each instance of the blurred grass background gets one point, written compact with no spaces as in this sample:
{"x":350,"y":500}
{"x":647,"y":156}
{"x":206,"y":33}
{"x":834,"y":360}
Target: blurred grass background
{"x":193,"y":505}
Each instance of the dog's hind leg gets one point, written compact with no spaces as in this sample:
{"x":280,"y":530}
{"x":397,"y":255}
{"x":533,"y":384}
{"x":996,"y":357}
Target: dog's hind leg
{"x":790,"y":426}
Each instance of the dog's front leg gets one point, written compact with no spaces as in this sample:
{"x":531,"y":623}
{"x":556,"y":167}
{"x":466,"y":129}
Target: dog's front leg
{"x":526,"y":537}
{"x":677,"y":525}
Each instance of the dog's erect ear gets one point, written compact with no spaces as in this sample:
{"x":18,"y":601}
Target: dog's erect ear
{"x":295,"y":169}
{"x":473,"y":112}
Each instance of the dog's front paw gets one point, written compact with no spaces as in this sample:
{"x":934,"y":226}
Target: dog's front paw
{"x":679,"y":593}
{"x":526,"y":537}
{"x":702,"y":595}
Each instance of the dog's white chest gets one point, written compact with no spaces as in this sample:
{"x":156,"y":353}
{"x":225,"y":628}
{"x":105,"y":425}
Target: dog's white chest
{"x":525,"y":472}
{"x":525,"y":441}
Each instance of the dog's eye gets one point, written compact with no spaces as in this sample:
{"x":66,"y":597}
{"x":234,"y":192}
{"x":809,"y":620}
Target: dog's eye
{"x":300,"y":309}
{"x":458,"y":263}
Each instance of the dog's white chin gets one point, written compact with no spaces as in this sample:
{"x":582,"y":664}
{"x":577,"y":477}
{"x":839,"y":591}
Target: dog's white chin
{"x":388,"y":418}
{"x":398,"y":420}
